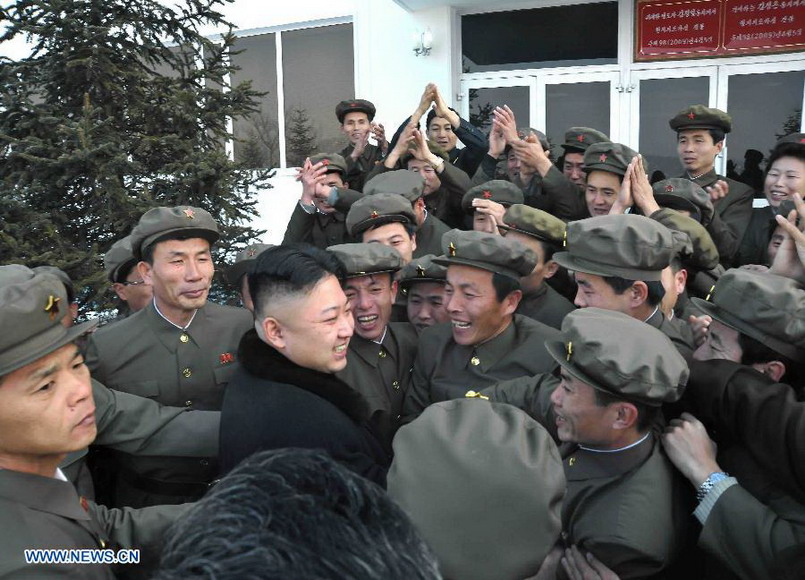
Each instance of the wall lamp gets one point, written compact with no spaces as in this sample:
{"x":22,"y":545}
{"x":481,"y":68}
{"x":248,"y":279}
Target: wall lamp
{"x":423,"y":42}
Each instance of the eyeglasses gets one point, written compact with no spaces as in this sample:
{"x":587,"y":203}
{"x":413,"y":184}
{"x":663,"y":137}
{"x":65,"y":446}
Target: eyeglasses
{"x":135,"y":283}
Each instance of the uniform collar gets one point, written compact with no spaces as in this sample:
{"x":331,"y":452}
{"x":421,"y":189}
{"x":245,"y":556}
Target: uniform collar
{"x":165,"y":318}
{"x":44,"y":494}
{"x":490,"y":352}
{"x":585,"y":464}
{"x":169,"y":334}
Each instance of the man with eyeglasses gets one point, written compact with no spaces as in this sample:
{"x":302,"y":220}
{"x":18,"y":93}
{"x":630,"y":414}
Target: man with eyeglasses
{"x":127,"y":284}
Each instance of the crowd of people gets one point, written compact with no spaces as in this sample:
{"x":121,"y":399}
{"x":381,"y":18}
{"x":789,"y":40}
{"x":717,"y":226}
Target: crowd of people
{"x":465,"y":360}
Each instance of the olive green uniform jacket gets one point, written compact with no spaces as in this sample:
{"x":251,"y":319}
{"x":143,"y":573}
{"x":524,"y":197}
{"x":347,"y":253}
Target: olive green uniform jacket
{"x":429,"y":236}
{"x":45,"y":512}
{"x":445,"y":370}
{"x":317,"y":229}
{"x":358,"y":169}
{"x":382,"y":374}
{"x":546,"y":305}
{"x":148,"y":356}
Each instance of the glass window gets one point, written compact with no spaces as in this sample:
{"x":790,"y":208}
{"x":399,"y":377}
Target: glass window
{"x":541,"y":37}
{"x":483,"y":101}
{"x":660,"y":100}
{"x":257,"y":136}
{"x":575,"y":105}
{"x":763,"y":107}
{"x":318,"y":72}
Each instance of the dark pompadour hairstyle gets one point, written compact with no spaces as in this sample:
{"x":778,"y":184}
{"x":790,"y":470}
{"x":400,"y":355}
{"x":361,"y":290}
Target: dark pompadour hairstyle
{"x":292,"y":514}
{"x":290,"y":269}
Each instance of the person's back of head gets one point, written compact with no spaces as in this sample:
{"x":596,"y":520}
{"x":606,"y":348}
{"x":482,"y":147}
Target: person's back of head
{"x":293,"y":513}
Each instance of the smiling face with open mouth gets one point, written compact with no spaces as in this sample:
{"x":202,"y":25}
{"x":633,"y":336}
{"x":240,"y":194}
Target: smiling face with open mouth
{"x":371,"y":298}
{"x":785,"y":176}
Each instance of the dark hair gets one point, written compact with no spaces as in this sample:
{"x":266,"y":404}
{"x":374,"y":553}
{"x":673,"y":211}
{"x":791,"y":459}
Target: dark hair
{"x":295,"y":513}
{"x":409,"y":228}
{"x":656,"y":291}
{"x":753,"y":352}
{"x":504,"y":285}
{"x":432,"y":115}
{"x":290,"y":269}
{"x":646,"y":415}
{"x":795,"y":150}
{"x":549,"y":249}
{"x":148,"y":252}
{"x":716,"y":134}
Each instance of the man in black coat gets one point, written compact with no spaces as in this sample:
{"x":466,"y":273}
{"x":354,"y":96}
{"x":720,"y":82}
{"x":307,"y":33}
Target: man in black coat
{"x":286,"y":393}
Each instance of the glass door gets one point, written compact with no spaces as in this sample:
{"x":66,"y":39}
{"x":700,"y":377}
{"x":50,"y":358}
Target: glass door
{"x":479,"y":97}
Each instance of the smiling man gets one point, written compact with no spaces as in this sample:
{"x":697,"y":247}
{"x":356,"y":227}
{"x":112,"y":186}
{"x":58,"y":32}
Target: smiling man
{"x":605,"y":165}
{"x":486,"y":341}
{"x":47,"y":411}
{"x":381,"y":354}
{"x":181,"y":350}
{"x":422,"y":281}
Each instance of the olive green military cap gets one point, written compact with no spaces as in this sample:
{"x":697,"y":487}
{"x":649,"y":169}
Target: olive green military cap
{"x":119,"y":260}
{"x":609,"y":157}
{"x":244,"y":262}
{"x":483,"y":482}
{"x":682,"y":194}
{"x":32,"y":305}
{"x":335,"y":163}
{"x":535,"y":223}
{"x":487,"y":252}
{"x":434,"y":148}
{"x":164,"y":223}
{"x":69,"y":287}
{"x":379,"y":209}
{"x":628,"y":246}
{"x":498,"y":190}
{"x":768,"y":308}
{"x":524,"y":132}
{"x":620,"y":355}
{"x":354,"y":106}
{"x":578,"y":139}
{"x":422,"y":269}
{"x":692,"y":242}
{"x":701,"y":117}
{"x":365,"y":259}
{"x":408,"y":184}
{"x":796,"y":138}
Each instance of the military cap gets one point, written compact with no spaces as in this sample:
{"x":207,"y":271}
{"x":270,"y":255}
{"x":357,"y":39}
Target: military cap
{"x":119,"y":260}
{"x":678,"y":193}
{"x":488,"y":252}
{"x":354,"y":106}
{"x":701,"y":117}
{"x":578,"y":139}
{"x":692,"y":242}
{"x":628,"y":246}
{"x":69,"y":287}
{"x":335,"y":163}
{"x":609,"y":157}
{"x":434,"y":148}
{"x":422,"y":269}
{"x":164,"y":223}
{"x":364,"y":259}
{"x":499,"y":190}
{"x":408,"y":184}
{"x":768,"y":308}
{"x":483,"y":482}
{"x":535,"y":223}
{"x":32,"y":305}
{"x":379,"y":209}
{"x":796,"y":138}
{"x":620,"y":355}
{"x":244,"y":262}
{"x":524,"y":132}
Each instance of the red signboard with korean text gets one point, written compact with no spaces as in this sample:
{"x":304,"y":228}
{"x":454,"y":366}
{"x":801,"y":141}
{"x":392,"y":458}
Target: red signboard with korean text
{"x":682,"y":29}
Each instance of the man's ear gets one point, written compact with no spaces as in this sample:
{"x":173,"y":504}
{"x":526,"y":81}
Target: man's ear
{"x":638,"y":293}
{"x":394,"y":288}
{"x":681,"y":280}
{"x":511,"y":302}
{"x":121,"y":290}
{"x":551,"y":268}
{"x":773,"y":369}
{"x":413,"y":242}
{"x":273,"y":332}
{"x":145,"y":270}
{"x":625,"y":415}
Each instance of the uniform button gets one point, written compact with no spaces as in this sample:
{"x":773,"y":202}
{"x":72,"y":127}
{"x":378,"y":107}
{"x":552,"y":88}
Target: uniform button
{"x":184,"y":338}
{"x":396,"y":385}
{"x":188,"y":403}
{"x":399,"y":417}
{"x":475,"y":361}
{"x":187,"y":373}
{"x":382,"y":354}
{"x":204,"y":462}
{"x":102,"y":543}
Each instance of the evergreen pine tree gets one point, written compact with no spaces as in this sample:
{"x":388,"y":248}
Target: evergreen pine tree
{"x":121,"y":106}
{"x":301,"y":138}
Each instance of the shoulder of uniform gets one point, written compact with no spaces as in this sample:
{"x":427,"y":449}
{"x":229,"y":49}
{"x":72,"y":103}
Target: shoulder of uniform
{"x":529,"y":327}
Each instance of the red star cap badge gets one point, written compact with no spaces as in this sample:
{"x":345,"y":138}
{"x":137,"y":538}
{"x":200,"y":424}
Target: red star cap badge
{"x":691,"y":115}
{"x":580,"y":138}
{"x":189,"y":213}
{"x":603,"y":157}
{"x":325,"y":161}
{"x":52,"y":306}
{"x":251,"y":253}
{"x":374,"y":215}
{"x":487,"y":194}
{"x":802,"y":140}
{"x":353,"y":104}
{"x":669,"y":187}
